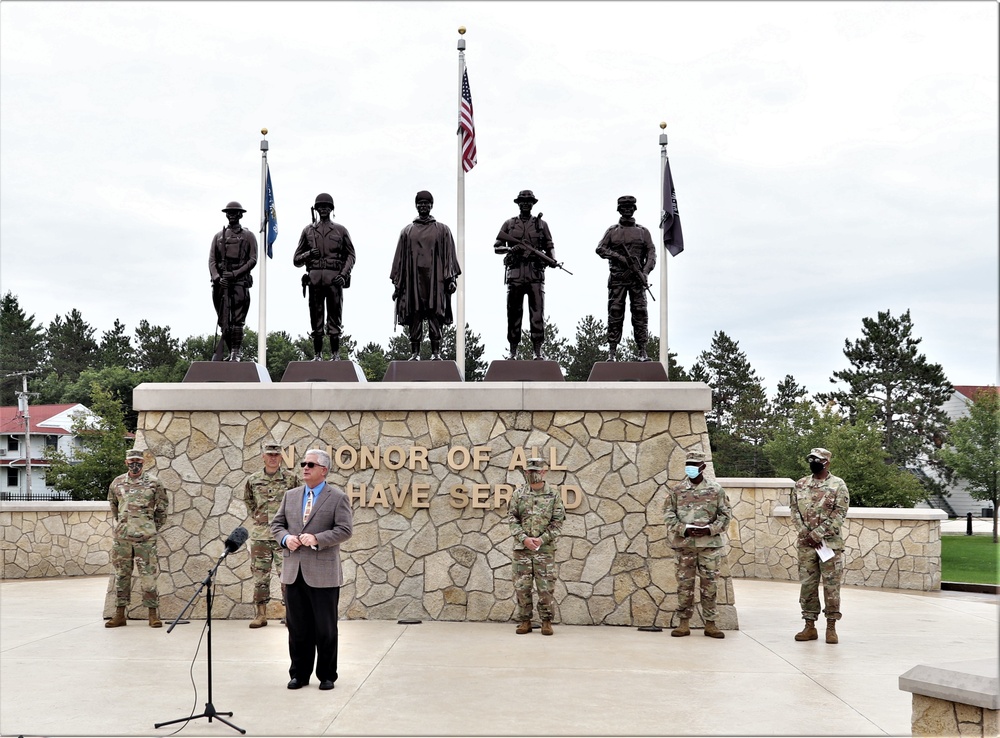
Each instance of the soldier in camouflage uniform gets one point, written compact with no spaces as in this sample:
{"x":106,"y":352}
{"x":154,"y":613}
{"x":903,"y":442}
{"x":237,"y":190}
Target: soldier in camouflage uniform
{"x":138,"y":511}
{"x":697,"y":513}
{"x":819,"y":507}
{"x":262,"y":493}
{"x":631,"y":256}
{"x":535,"y":514}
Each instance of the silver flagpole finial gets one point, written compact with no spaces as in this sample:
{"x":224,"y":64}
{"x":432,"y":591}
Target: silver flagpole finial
{"x":663,"y":136}
{"x":461,"y":41}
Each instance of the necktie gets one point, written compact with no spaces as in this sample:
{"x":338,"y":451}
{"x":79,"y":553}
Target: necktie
{"x":309,"y":507}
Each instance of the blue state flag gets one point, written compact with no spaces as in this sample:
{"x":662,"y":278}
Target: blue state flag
{"x":270,"y":214}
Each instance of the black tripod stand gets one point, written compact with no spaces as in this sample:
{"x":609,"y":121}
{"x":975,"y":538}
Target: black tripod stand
{"x":206,"y":584}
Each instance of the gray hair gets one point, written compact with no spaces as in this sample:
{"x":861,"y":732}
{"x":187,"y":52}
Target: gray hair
{"x":321,"y":456}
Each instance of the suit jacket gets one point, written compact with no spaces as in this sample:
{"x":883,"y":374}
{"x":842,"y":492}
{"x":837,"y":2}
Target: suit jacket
{"x":331,"y":521}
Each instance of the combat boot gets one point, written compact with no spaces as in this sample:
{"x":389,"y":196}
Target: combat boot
{"x":642,"y":355}
{"x":711,"y":631}
{"x":334,"y":348}
{"x":414,"y":352}
{"x":318,"y":348}
{"x":546,"y":627}
{"x":154,"y":618}
{"x":512,"y":356}
{"x":808,"y":633}
{"x":613,"y":356}
{"x":831,"y":631}
{"x":118,"y":620}
{"x":683,"y":628}
{"x":537,"y":349}
{"x":261,"y":620}
{"x":524,"y":627}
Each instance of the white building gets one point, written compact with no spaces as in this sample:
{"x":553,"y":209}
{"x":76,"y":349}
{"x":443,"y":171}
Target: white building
{"x":51,"y":428}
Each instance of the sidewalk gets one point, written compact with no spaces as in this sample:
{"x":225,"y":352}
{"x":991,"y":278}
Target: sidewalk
{"x":980,"y":526}
{"x":62,"y":673}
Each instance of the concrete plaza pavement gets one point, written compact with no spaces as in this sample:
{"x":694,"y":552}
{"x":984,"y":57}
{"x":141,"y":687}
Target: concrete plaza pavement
{"x":62,"y":673}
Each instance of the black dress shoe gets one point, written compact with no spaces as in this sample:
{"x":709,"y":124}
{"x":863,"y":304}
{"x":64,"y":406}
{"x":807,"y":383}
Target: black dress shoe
{"x":326,"y":684}
{"x":297,"y":684}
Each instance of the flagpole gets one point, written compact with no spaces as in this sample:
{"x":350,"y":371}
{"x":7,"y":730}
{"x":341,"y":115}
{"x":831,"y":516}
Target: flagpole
{"x":664,"y":348}
{"x":262,"y":257}
{"x":460,"y":222}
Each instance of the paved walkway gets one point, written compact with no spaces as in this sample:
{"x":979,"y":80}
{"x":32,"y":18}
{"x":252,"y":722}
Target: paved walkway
{"x":62,"y":673}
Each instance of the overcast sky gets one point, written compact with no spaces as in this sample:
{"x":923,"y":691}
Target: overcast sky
{"x":831,"y":160}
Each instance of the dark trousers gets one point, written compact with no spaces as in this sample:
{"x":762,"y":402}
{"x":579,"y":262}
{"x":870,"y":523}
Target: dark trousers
{"x":311,"y":616}
{"x":616,"y":313}
{"x":434,"y":327}
{"x":535,"y":292}
{"x":327,"y":296}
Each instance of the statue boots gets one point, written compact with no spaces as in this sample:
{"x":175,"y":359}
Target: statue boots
{"x":711,"y":631}
{"x":537,"y":349}
{"x":512,"y":356}
{"x":808,"y":633}
{"x":642,"y":355}
{"x":318,"y":348}
{"x":118,"y":620}
{"x":435,"y":351}
{"x":683,"y":628}
{"x":831,"y":631}
{"x":236,"y":344}
{"x":613,"y":356}
{"x":334,"y":348}
{"x":261,"y":620}
{"x":546,"y":627}
{"x":414,"y":352}
{"x":524,"y":627}
{"x":154,"y":618}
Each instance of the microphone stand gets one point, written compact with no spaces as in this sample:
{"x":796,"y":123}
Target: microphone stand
{"x":210,"y":711}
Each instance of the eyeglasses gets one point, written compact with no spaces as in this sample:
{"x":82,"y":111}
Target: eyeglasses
{"x":310,"y":464}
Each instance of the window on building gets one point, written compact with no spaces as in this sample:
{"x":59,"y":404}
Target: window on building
{"x":52,"y":441}
{"x":13,"y":444}
{"x":13,"y":478}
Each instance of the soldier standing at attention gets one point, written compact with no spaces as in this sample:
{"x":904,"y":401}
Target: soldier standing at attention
{"x":326,"y":251}
{"x":524,"y":272}
{"x":819,"y":507}
{"x":262,"y":493}
{"x":138,"y":511}
{"x":424,"y":273}
{"x":631,"y":256}
{"x":697,"y":513}
{"x":231,"y":258}
{"x":535,"y":514}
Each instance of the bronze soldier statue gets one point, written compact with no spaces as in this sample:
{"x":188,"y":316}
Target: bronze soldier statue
{"x":424,"y":273}
{"x":232,"y":256}
{"x":526,"y":244}
{"x":631,"y":256}
{"x":326,"y":251}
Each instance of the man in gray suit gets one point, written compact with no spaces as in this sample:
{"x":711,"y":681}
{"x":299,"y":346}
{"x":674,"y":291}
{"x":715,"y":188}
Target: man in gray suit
{"x":311,"y":523}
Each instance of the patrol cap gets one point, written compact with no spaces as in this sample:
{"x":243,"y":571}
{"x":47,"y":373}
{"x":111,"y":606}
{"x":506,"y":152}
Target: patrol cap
{"x":234,"y":206}
{"x":133,"y":453}
{"x":323,"y":198}
{"x":271,"y":448}
{"x":536,"y":464}
{"x":424,"y":195}
{"x":694,"y":455}
{"x":627,"y":199}
{"x":525,"y":196}
{"x":821,"y":453}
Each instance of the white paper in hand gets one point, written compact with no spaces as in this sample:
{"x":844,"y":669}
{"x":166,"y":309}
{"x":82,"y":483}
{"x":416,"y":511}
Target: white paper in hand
{"x":825,"y":552}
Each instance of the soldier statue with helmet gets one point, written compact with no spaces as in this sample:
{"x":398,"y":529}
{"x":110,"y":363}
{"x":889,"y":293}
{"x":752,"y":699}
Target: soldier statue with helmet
{"x":535,"y":515}
{"x":232,"y":256}
{"x":631,"y":256}
{"x":526,"y":245}
{"x":326,"y":251}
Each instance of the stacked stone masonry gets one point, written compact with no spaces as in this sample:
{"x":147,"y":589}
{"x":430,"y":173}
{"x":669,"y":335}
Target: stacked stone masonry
{"x":55,"y":539}
{"x":445,"y":555}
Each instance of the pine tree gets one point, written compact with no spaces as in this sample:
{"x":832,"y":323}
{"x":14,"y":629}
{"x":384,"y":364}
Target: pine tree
{"x":22,"y":346}
{"x":906,"y":389}
{"x":789,"y":394}
{"x":155,"y":348}
{"x":115,"y":348}
{"x":373,"y":361}
{"x":590,"y":347}
{"x":70,"y":346}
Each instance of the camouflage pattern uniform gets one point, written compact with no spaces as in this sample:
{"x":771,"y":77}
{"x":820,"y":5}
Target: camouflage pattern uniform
{"x":139,"y":510}
{"x":535,"y":514}
{"x":819,"y":508}
{"x":263,"y":493}
{"x":704,"y":503}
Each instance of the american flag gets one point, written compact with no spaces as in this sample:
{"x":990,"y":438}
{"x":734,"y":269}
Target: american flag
{"x":466,"y":126}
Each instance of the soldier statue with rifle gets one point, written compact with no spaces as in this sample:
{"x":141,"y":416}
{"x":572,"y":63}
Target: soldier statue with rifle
{"x":232,"y":256}
{"x":526,"y":245}
{"x":631,"y":256}
{"x":326,"y":251}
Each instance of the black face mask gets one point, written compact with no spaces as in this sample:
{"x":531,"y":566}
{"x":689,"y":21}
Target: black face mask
{"x":816,"y":467}
{"x":135,"y":468}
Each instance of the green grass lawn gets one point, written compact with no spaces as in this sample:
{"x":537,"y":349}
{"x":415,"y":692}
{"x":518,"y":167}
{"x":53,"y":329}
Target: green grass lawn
{"x":974,"y":559}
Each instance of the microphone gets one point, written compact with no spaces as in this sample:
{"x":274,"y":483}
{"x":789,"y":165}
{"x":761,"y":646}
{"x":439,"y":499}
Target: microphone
{"x":236,"y":539}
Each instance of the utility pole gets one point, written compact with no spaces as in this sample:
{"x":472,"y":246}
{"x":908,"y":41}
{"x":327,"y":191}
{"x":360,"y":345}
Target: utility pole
{"x":24,"y":408}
